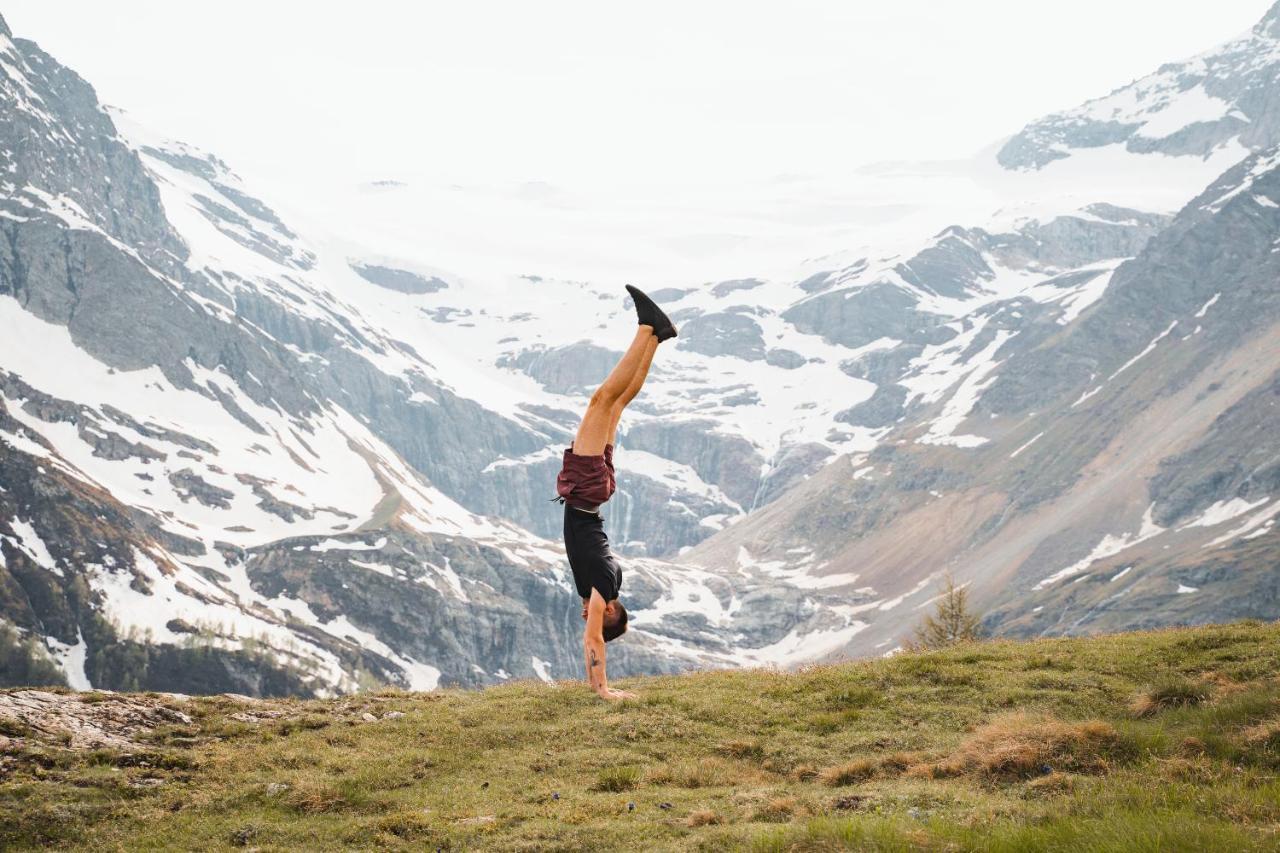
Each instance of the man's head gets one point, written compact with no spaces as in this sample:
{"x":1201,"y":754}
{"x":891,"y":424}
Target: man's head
{"x":615,"y":620}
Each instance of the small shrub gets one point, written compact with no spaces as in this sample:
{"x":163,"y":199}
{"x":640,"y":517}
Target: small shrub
{"x":705,"y":817}
{"x":951,"y":622}
{"x":1169,"y":693}
{"x":614,"y":779}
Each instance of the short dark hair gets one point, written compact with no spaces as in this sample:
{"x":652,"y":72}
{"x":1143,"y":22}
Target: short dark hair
{"x":618,"y":627}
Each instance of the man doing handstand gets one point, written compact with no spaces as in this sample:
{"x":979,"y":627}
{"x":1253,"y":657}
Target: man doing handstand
{"x":587,"y":480}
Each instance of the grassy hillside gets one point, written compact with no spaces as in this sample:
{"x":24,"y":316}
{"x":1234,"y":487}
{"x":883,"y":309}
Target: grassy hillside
{"x":1157,"y":741}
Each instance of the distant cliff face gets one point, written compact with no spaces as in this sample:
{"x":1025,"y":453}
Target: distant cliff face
{"x":1190,"y":108}
{"x":1113,"y":468}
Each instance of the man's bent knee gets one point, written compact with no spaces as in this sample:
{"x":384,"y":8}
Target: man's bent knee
{"x":603,"y":398}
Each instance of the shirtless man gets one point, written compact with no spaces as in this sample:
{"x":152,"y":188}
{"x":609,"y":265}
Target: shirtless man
{"x":586,"y":481}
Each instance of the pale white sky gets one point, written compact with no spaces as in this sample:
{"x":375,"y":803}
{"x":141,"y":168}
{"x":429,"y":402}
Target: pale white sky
{"x":570,"y":91}
{"x":605,"y":100}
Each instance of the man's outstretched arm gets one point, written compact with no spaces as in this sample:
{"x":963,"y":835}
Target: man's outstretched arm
{"x":593,"y":650}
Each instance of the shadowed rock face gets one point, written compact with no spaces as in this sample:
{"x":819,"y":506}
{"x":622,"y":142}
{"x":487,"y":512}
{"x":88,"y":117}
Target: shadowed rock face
{"x":401,"y":281}
{"x":855,"y":318}
{"x":723,"y":334}
{"x":575,"y":369}
{"x":724,"y":288}
{"x":716,"y":457}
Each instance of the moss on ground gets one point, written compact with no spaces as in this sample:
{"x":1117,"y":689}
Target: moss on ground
{"x":1156,"y":741}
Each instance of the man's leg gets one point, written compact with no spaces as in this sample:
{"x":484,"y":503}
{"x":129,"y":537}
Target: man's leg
{"x":596,"y":429}
{"x":637,"y":380}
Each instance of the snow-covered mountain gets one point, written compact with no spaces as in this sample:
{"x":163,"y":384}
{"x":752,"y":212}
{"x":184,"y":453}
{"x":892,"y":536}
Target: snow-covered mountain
{"x":1091,"y":442}
{"x":252,"y":451}
{"x":223,"y":471}
{"x":1224,"y":98}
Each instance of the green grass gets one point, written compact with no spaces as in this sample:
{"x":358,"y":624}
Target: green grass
{"x":1158,"y":741}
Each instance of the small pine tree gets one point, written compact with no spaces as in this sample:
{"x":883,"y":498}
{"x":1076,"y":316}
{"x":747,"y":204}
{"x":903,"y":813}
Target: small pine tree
{"x":952,"y":622}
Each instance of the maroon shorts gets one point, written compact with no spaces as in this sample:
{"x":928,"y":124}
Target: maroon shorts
{"x":586,"y":480}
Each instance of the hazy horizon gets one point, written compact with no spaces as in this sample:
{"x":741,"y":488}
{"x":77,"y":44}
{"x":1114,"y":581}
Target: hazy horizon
{"x":716,"y":140}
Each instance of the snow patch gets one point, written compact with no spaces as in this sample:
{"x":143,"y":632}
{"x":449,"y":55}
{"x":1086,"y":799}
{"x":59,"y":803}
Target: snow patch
{"x":1108,"y":547}
{"x":542,"y":669}
{"x":1034,"y":439}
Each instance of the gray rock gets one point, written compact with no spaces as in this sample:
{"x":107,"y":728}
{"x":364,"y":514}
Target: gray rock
{"x":723,"y":333}
{"x":724,"y":288}
{"x":572,"y":369}
{"x":398,"y":280}
{"x":784,"y":358}
{"x":854,"y":317}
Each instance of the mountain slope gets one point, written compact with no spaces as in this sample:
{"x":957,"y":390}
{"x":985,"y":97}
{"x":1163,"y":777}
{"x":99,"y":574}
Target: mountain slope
{"x":1099,"y":475}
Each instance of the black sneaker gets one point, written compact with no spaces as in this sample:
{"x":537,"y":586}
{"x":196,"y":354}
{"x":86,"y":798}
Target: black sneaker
{"x":649,"y":314}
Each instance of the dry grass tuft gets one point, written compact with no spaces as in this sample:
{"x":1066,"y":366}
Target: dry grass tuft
{"x":805,"y":773}
{"x":1053,"y":783}
{"x":897,"y":762}
{"x":1195,"y":770}
{"x":704,"y":817}
{"x":1022,"y":746}
{"x":777,"y":810}
{"x":923,"y":770}
{"x":1170,"y":693}
{"x":858,"y":770}
{"x":743,"y":749}
{"x":1265,"y":734}
{"x":1192,"y":746}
